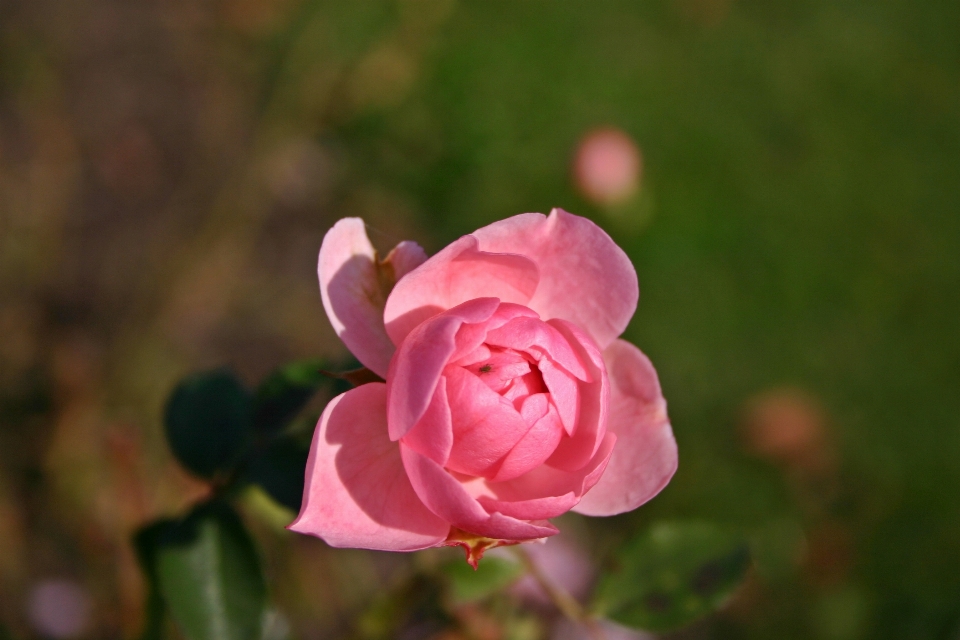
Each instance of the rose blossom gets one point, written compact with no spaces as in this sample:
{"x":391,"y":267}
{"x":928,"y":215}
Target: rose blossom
{"x":508,"y":400}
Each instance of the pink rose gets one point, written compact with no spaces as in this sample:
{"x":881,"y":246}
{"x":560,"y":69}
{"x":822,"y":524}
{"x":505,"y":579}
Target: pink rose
{"x":508,"y":398}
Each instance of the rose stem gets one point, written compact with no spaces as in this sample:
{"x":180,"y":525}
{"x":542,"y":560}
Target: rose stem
{"x":562,"y":600}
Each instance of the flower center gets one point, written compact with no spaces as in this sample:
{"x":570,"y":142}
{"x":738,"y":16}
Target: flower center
{"x":512,"y":374}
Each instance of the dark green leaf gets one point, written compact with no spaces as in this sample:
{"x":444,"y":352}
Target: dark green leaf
{"x":208,"y":422}
{"x":145,"y":543}
{"x":280,"y":471}
{"x":285,"y":392}
{"x":492,"y":574}
{"x":208,"y":574}
{"x":672,"y":575}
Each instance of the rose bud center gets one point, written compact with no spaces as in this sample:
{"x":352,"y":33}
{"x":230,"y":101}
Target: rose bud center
{"x":508,"y":398}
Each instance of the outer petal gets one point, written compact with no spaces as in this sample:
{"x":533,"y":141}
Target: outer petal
{"x":404,"y":258}
{"x":354,"y":289}
{"x":584,"y":276}
{"x":460,"y":272}
{"x":357,"y":492}
{"x":645,"y":457}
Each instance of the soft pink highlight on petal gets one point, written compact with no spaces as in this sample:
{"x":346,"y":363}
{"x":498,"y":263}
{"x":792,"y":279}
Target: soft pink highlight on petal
{"x":448,"y":498}
{"x":574,"y":451}
{"x":415,"y":369}
{"x":357,"y":492}
{"x":646,"y":454}
{"x":459,"y":273}
{"x":584,"y":276}
{"x":352,"y":294}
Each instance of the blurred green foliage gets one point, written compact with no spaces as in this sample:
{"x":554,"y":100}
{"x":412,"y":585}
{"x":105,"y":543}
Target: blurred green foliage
{"x":204,"y":570}
{"x":283,"y":394}
{"x":278,"y":469}
{"x":672,"y":575}
{"x":492,"y":574}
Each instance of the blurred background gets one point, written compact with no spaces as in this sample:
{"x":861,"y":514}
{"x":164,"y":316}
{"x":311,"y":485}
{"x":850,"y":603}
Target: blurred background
{"x":785,"y":177}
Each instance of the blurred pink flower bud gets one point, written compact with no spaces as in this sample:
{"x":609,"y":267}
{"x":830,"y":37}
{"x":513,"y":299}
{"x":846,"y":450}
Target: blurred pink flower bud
{"x":607,"y":166}
{"x":563,"y":563}
{"x":787,"y":426}
{"x":59,"y":608}
{"x":567,"y":630}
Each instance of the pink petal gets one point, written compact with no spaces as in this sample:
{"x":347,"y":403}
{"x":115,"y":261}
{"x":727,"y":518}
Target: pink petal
{"x":485,"y":425}
{"x":404,"y":258}
{"x":546,"y":482}
{"x":447,"y":497}
{"x":537,"y":444}
{"x":499,"y":369}
{"x":470,"y":337}
{"x":357,"y":493}
{"x":526,"y":385}
{"x":535,"y":509}
{"x":536,"y":407}
{"x":354,"y":289}
{"x":417,"y":365}
{"x":536,"y":337}
{"x":584,"y":276}
{"x":575,"y":451}
{"x":433,"y":434}
{"x":460,"y":272}
{"x":645,"y":457}
{"x":564,"y":391}
{"x":476,"y":356}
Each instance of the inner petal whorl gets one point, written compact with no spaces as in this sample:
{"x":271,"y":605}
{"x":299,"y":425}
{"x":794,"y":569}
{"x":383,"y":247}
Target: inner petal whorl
{"x":500,"y":369}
